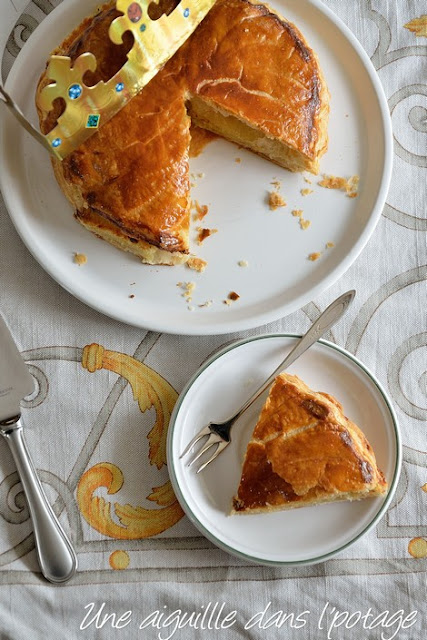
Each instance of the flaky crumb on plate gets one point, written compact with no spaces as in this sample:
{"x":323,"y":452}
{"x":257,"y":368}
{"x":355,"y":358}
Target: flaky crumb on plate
{"x":188,"y":289}
{"x":203,"y":233}
{"x":349,"y":185}
{"x":197,"y":264}
{"x":201,"y":210}
{"x":80,"y":259}
{"x":232,"y":297}
{"x":275,"y":200}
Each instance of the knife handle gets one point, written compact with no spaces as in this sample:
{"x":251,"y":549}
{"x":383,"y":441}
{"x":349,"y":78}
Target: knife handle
{"x":58,"y":561}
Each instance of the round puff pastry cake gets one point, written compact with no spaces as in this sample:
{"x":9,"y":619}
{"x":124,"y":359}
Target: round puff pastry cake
{"x":245,"y":73}
{"x":303,"y":452}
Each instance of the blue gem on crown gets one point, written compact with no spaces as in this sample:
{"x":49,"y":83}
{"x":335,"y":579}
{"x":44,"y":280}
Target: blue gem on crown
{"x":75,"y":91}
{"x":119,"y":87}
{"x":92,"y":121}
{"x":56,"y":142}
{"x":143,"y":27}
{"x":186,"y":12}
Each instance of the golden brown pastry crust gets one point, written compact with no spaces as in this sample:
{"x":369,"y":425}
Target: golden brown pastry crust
{"x":304,"y":451}
{"x":245,"y":73}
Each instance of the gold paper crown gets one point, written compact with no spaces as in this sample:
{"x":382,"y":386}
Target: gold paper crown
{"x":87,"y":108}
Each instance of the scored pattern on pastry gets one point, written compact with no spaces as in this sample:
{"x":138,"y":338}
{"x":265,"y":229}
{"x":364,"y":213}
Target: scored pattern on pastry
{"x":304,"y":451}
{"x":245,"y":73}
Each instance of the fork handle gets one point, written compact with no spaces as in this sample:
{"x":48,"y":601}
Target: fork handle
{"x":56,"y":556}
{"x":325,"y":321}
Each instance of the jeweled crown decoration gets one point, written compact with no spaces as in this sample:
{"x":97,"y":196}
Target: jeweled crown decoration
{"x":88,"y":108}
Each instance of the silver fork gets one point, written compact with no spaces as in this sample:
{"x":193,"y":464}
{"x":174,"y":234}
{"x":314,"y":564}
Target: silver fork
{"x":218,"y":433}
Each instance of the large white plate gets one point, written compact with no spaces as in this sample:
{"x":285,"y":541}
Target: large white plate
{"x":279,"y":278}
{"x":299,"y":536}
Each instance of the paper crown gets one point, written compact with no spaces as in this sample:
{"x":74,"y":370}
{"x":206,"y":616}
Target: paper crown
{"x":88,"y":108}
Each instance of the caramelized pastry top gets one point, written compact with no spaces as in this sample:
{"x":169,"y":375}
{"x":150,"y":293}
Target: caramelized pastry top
{"x":243,"y":59}
{"x":303,"y":448}
{"x":256,"y":65}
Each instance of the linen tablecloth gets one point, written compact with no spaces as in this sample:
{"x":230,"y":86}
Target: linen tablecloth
{"x":139,"y":557}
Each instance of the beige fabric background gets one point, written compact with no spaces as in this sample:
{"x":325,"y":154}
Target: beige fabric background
{"x":78,"y":419}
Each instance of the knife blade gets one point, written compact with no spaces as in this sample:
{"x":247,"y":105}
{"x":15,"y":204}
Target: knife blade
{"x":16,"y":382}
{"x":57,"y":559}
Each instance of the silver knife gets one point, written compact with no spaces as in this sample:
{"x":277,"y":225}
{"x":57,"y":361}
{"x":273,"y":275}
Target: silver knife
{"x":57,"y":559}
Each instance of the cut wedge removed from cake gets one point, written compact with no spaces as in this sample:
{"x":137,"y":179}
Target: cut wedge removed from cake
{"x":304,"y":451}
{"x":246,"y":74}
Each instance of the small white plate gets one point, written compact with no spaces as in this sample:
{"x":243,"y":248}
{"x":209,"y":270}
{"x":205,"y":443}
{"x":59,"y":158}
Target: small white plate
{"x":299,"y":536}
{"x":279,"y":277}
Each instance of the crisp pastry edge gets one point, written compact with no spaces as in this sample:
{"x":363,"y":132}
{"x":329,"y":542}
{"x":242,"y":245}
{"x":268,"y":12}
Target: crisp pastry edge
{"x":333,"y":405}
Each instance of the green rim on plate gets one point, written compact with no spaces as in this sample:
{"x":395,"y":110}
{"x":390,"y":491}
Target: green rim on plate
{"x":232,"y":550}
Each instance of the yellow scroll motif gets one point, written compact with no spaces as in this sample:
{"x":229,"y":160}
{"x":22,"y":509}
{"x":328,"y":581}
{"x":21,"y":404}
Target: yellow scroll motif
{"x":418,"y":26}
{"x":149,"y":390}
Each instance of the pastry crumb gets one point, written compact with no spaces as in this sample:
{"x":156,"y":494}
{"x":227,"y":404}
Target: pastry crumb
{"x":303,"y":223}
{"x":314,"y":256}
{"x":208,"y":303}
{"x":350,"y":185}
{"x":276,"y":183}
{"x":132,"y":295}
{"x":80,"y":259}
{"x":232,"y":297}
{"x":307,"y":180}
{"x":243,"y":263}
{"x":204,"y":233}
{"x":197,"y":264}
{"x":329,"y":245}
{"x":275,"y":200}
{"x":238,"y":160}
{"x":333,"y":182}
{"x":201,"y":209}
{"x":188,"y":288}
{"x":190,"y":307}
{"x":306,"y":192}
{"x":201,"y":175}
